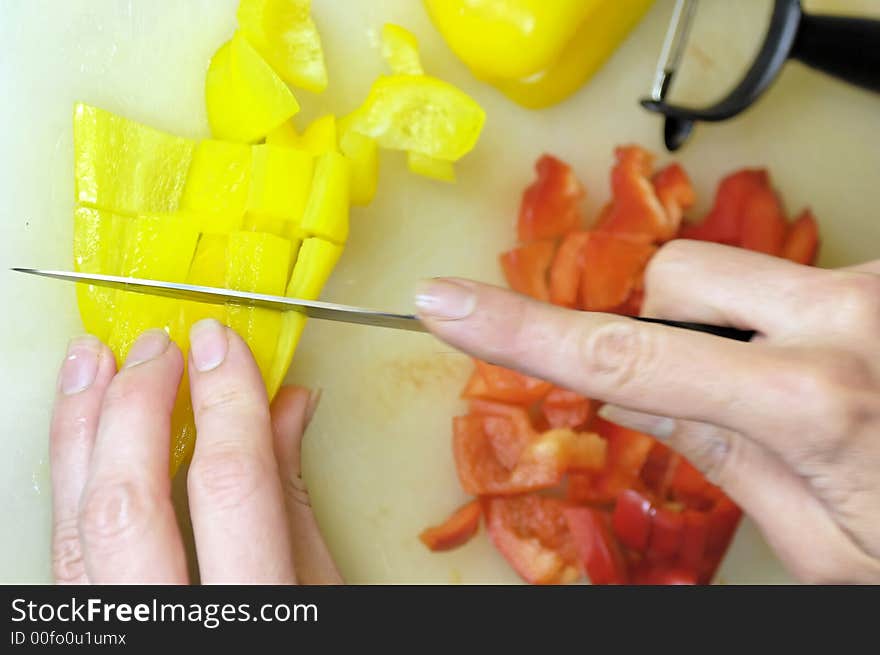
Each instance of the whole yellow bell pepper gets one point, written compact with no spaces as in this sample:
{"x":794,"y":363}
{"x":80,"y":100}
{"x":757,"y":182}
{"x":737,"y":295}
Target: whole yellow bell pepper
{"x":536,"y":52}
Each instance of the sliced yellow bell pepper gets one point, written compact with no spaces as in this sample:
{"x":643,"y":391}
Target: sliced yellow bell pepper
{"x":283,"y":136}
{"x":315,"y":263}
{"x":437,"y":169}
{"x":320,"y":136}
{"x":257,"y":262}
{"x":326,"y":214}
{"x":285,"y":34}
{"x":96,"y":238}
{"x":245,"y":98}
{"x":125,"y":167}
{"x":363,"y":158}
{"x":400,"y":48}
{"x":218,"y":184}
{"x":282,"y":178}
{"x":422,"y":114}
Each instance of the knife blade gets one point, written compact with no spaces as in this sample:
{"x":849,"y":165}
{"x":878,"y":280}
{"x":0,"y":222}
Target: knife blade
{"x":312,"y":308}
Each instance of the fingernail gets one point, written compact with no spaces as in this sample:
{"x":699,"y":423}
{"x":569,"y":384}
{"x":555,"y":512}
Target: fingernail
{"x":312,"y":405}
{"x":208,"y":344}
{"x":80,"y":367}
{"x":660,"y":427}
{"x":149,"y":345}
{"x":445,"y":300}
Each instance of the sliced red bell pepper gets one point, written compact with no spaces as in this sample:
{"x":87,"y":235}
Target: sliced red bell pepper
{"x":632,"y":519}
{"x":762,"y":223}
{"x":476,"y":386}
{"x":612,"y":267}
{"x":531,"y":533}
{"x":635,"y":209}
{"x":598,"y":550}
{"x":655,"y":472}
{"x":455,"y":530}
{"x":802,"y":242}
{"x":675,"y":191}
{"x":567,"y":269}
{"x":687,"y":481}
{"x":566,"y":409}
{"x":507,"y":386}
{"x":551,"y":204}
{"x":694,"y":537}
{"x":508,"y":438}
{"x":650,"y":573}
{"x":722,"y":224}
{"x":632,"y":306}
{"x":526,"y":269}
{"x":666,"y":533}
{"x":627,"y":452}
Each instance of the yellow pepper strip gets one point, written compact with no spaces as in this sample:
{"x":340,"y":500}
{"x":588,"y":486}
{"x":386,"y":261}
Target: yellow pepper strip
{"x":285,"y":34}
{"x":315,"y":263}
{"x":362,"y":153}
{"x":283,"y":136}
{"x":282,"y":178}
{"x":125,"y":167}
{"x":437,"y":169}
{"x":400,"y":48}
{"x":510,"y":39}
{"x":218,"y":184}
{"x":96,"y":238}
{"x":159,"y":248}
{"x":257,"y":262}
{"x":320,"y":136}
{"x":245,"y":98}
{"x":326,"y":213}
{"x":422,"y":114}
{"x":592,"y":45}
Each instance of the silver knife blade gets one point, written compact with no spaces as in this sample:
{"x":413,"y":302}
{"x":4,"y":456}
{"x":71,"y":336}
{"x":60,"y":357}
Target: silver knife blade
{"x":218,"y":296}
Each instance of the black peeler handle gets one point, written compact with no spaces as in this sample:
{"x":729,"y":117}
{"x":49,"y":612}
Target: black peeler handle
{"x":846,"y":47}
{"x":717,"y":330}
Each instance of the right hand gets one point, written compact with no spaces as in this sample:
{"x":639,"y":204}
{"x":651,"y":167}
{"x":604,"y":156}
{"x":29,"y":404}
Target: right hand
{"x":788,"y":425}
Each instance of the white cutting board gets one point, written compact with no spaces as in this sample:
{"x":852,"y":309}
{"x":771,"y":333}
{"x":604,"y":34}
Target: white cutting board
{"x":377,"y":457}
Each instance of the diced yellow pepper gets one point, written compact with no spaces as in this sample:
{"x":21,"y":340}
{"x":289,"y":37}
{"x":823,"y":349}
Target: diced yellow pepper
{"x":320,"y":136}
{"x":400,"y":48}
{"x":283,"y":136}
{"x":326,"y":213}
{"x":285,"y":34}
{"x":422,"y":114}
{"x":97,"y":235}
{"x":280,"y":186}
{"x":158,"y":248}
{"x":125,"y":167}
{"x":245,"y":98}
{"x":315,"y":263}
{"x":437,"y":169}
{"x":363,"y":157}
{"x":257,"y":262}
{"x":218,"y":184}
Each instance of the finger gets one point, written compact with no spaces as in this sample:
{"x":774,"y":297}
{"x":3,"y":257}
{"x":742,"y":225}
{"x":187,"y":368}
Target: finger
{"x":239,"y":519}
{"x":127,"y":522}
{"x":795,"y":523}
{"x":872,"y":267}
{"x":87,"y":370}
{"x":292,"y":410}
{"x":650,"y":368}
{"x":710,"y":283}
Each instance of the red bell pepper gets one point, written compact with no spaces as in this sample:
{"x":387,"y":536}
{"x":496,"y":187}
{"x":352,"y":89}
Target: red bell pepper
{"x":694,"y":538}
{"x":666,"y":533}
{"x":675,"y":191}
{"x":723,"y":224}
{"x":762,"y":223}
{"x":551,"y":204}
{"x":802,"y":243}
{"x":612,"y":267}
{"x":455,"y":530}
{"x":566,"y":409}
{"x":599,"y":553}
{"x":632,"y":519}
{"x":649,"y":573}
{"x":567,"y":269}
{"x":526,"y":269}
{"x":507,"y":386}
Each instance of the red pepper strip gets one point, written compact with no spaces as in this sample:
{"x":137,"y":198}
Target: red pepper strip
{"x":722,"y":224}
{"x":666,"y":534}
{"x":476,"y":386}
{"x":551,"y":204}
{"x":675,"y":191}
{"x":566,"y":409}
{"x":597,"y":548}
{"x":612,"y":267}
{"x":526,"y":269}
{"x":507,"y":438}
{"x":627,"y":452}
{"x":723,"y":521}
{"x":694,"y":537}
{"x":531,"y":533}
{"x":505,"y":385}
{"x":632,"y":518}
{"x":649,"y":573}
{"x":566,"y":270}
{"x":802,"y":243}
{"x":635,"y":209}
{"x":455,"y":530}
{"x":762,"y":224}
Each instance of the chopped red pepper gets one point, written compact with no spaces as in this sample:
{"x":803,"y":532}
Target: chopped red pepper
{"x":694,"y":537}
{"x":508,"y":386}
{"x":676,"y":193}
{"x":526,"y":268}
{"x":455,"y":530}
{"x":632,"y":519}
{"x":723,"y":224}
{"x":762,"y":223}
{"x":566,"y":409}
{"x":612,"y":266}
{"x":666,"y":533}
{"x":596,"y":546}
{"x":566,"y":270}
{"x":802,"y":243}
{"x":551,"y":205}
{"x":650,"y":573}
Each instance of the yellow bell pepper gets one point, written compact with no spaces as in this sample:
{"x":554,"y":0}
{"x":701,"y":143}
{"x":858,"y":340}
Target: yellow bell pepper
{"x":316,"y":261}
{"x":218,"y":184}
{"x":437,"y":169}
{"x":320,"y":136}
{"x":400,"y":48}
{"x":536,"y":52}
{"x":285,"y":34}
{"x":283,"y":136}
{"x":282,"y":178}
{"x":362,"y":153}
{"x":245,"y":98}
{"x":125,"y":167}
{"x":326,"y":213}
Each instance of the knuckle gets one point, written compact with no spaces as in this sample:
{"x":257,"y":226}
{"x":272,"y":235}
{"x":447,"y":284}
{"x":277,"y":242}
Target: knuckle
{"x":617,"y":353}
{"x":226,"y":478}
{"x":114,"y":511}
{"x":856,"y":298}
{"x":670,"y":259}
{"x":68,"y":566}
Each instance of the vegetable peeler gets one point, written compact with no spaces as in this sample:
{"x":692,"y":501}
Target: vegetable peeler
{"x":313,"y":308}
{"x":846,"y":47}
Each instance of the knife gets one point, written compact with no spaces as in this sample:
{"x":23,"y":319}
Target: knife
{"x":312,"y":308}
